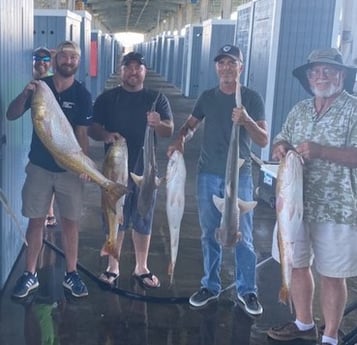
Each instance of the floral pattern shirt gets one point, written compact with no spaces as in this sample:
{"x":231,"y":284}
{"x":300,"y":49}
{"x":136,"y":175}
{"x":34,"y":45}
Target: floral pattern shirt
{"x":330,"y":189}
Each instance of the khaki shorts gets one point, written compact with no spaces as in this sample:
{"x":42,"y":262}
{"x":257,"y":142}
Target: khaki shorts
{"x":331,"y":247}
{"x":39,"y":186}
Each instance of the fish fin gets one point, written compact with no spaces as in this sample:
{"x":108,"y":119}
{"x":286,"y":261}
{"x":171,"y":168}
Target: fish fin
{"x":279,"y":204}
{"x":113,"y":192}
{"x":158,"y":181}
{"x":246,"y":206}
{"x":137,"y":179}
{"x":219,"y":203}
{"x":240,"y":162}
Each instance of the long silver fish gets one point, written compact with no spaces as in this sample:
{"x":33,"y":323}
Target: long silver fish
{"x":231,"y":206}
{"x":115,"y":168}
{"x":56,"y":133}
{"x":175,"y":203}
{"x":149,"y":182}
{"x":289,"y":214}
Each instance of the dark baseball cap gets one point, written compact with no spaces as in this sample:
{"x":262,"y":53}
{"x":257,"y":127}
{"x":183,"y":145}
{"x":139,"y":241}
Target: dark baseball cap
{"x":132,"y":56}
{"x":231,"y":51}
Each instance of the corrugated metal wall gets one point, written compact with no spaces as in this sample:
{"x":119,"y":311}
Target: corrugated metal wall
{"x":16,"y":44}
{"x":85,"y":33}
{"x":192,"y":51}
{"x":216,"y":33}
{"x":55,"y":26}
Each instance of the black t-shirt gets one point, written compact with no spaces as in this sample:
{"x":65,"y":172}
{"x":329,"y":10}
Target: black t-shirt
{"x":124,"y":112}
{"x":76,"y":103}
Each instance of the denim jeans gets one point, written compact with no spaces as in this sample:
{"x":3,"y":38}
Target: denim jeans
{"x":210,"y":217}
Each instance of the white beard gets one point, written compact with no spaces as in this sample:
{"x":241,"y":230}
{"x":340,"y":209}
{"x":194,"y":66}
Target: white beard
{"x":332,"y":90}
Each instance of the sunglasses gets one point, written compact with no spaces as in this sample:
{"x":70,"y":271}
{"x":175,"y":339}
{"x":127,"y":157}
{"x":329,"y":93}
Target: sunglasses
{"x":42,"y":58}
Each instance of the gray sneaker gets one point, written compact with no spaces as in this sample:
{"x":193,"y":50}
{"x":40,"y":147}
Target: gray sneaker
{"x":74,"y":284}
{"x":202,"y":297}
{"x":27,"y":283}
{"x":290,"y":331}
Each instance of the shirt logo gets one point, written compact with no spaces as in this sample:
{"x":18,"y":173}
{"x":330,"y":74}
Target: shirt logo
{"x":68,"y":105}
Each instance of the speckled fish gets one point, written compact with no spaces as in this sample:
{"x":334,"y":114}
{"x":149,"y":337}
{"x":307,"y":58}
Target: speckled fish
{"x":289,"y":215}
{"x":56,"y":133}
{"x":149,"y":182}
{"x":175,"y":203}
{"x":115,"y":168}
{"x":230,"y":206}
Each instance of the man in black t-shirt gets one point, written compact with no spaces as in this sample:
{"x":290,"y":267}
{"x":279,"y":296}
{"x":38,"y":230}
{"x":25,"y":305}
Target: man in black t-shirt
{"x":126,"y":111}
{"x":45,"y":178}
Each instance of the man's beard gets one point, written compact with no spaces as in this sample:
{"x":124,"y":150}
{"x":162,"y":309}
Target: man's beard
{"x":332,"y":90}
{"x":65,"y":72}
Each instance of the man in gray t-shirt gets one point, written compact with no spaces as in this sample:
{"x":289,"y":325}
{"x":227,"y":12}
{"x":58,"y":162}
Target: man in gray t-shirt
{"x":217,"y":107}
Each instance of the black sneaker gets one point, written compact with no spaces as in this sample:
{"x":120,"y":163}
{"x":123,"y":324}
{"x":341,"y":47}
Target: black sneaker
{"x":27,"y":283}
{"x":251,"y":304}
{"x":202,"y":297}
{"x":74,"y":284}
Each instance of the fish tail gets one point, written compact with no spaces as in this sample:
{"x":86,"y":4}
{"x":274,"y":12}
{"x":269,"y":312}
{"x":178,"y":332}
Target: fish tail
{"x":171,"y":270}
{"x":110,"y":248}
{"x":284,"y":295}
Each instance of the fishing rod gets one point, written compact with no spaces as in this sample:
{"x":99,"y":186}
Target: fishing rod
{"x":116,"y":290}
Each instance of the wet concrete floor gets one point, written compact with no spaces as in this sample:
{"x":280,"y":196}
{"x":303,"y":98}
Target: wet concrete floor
{"x":129,"y":315}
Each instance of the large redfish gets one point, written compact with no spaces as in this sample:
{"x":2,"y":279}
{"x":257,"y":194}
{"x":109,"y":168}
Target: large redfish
{"x":56,"y":133}
{"x":115,"y":168}
{"x":175,"y":203}
{"x":289,"y":214}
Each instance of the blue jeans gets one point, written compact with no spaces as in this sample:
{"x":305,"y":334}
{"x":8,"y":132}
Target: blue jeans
{"x":210,"y":217}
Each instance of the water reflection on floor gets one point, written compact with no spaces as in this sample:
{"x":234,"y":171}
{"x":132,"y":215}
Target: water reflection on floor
{"x":116,"y":317}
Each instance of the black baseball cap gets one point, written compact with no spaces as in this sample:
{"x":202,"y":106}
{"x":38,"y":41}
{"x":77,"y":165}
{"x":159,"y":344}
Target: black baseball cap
{"x":231,"y":51}
{"x":132,"y":56}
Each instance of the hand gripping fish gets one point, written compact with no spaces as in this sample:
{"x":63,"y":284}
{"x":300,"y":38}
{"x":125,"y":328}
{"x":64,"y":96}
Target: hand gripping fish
{"x":115,"y":168}
{"x":56,"y":133}
{"x":289,"y":214}
{"x":230,"y":207}
{"x":149,"y":182}
{"x":175,"y":203}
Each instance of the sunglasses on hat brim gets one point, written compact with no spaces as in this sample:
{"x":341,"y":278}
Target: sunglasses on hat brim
{"x":42,"y":58}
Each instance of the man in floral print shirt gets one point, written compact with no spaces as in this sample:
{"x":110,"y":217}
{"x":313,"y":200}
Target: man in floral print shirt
{"x":323,"y":129}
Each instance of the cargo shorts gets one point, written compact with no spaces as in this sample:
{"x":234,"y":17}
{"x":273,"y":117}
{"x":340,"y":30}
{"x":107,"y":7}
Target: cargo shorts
{"x":330,"y":247}
{"x":39,"y":186}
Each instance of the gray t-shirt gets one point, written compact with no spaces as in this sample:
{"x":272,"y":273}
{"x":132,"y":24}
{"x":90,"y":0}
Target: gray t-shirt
{"x":215,"y":108}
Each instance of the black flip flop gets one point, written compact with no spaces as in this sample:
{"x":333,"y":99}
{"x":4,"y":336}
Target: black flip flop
{"x":108,"y":277}
{"x":140,"y":278}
